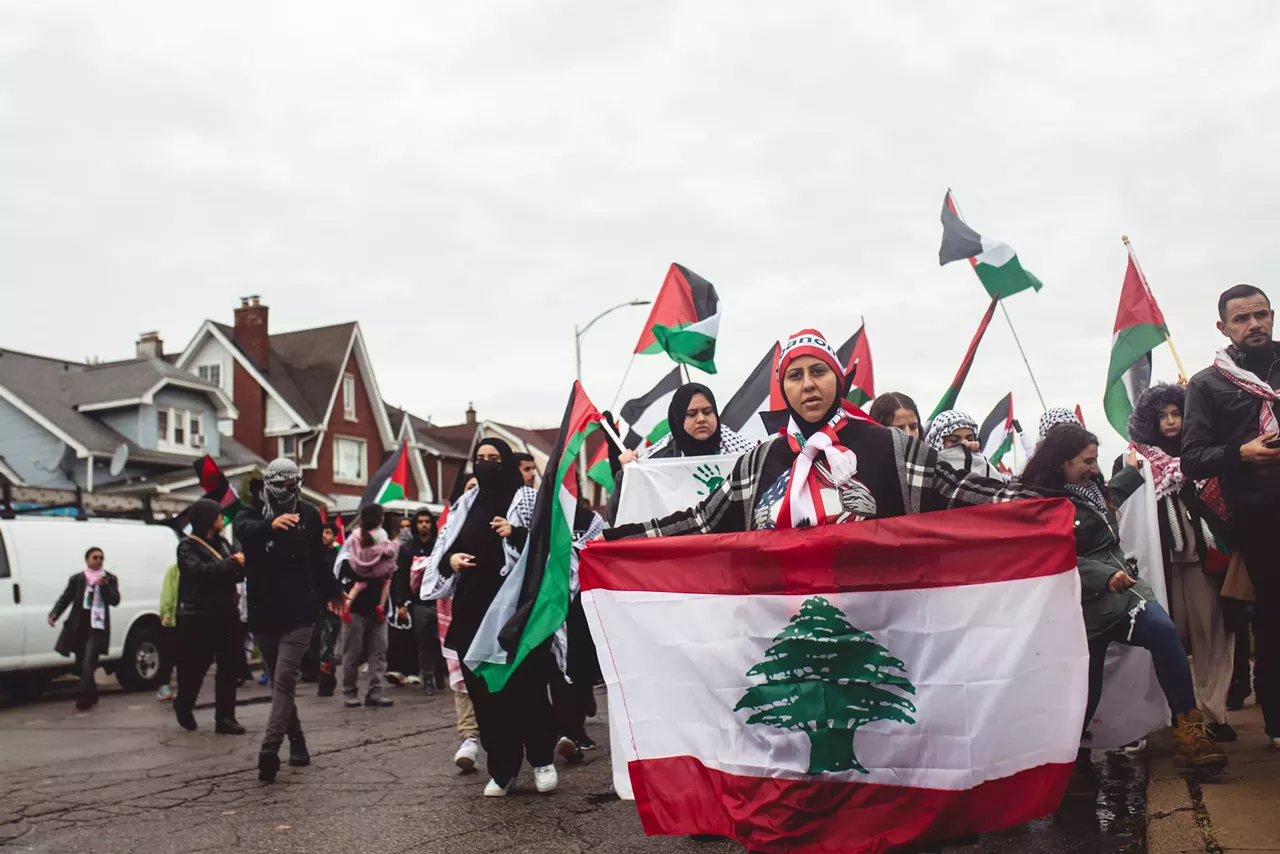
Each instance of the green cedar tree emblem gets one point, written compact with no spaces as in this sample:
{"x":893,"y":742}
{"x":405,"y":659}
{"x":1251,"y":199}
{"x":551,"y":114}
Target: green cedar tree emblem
{"x":825,"y":677}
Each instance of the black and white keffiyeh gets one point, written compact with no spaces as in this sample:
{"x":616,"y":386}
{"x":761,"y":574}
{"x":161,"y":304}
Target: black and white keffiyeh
{"x":731,"y":444}
{"x":280,"y":488}
{"x":1090,"y":493}
{"x":945,"y":424}
{"x":1056,"y":415}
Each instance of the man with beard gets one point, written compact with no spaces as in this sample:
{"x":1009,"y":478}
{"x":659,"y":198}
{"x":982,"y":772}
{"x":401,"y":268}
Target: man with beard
{"x":425,"y":634}
{"x":528,"y":468}
{"x":1230,"y":432}
{"x":289,"y":574}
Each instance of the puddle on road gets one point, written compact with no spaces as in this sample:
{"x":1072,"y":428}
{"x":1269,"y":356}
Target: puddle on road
{"x":1112,"y":820}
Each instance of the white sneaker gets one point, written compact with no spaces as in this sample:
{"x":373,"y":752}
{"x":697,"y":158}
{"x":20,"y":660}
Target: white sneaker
{"x":493,"y":790}
{"x":545,"y":778}
{"x":413,"y":680}
{"x":1137,"y":748}
{"x":165,"y":693}
{"x":466,"y":757}
{"x":1275,"y":742}
{"x":395,"y":677}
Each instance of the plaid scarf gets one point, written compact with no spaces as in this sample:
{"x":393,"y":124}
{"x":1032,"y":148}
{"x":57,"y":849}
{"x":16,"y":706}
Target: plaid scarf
{"x":1249,"y":382}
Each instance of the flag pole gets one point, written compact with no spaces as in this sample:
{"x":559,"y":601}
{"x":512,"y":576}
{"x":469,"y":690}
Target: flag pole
{"x":1008,"y":319}
{"x":1168,"y":339}
{"x":1030,"y":373}
{"x":622,"y":384}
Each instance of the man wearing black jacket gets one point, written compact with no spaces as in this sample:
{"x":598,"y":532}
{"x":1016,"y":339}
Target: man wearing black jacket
{"x":1229,"y":428}
{"x":289,"y":576}
{"x":425,"y":629}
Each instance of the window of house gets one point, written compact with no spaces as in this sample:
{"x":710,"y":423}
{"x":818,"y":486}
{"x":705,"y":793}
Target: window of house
{"x":349,"y":456}
{"x":211,"y":373}
{"x":196,"y":429}
{"x":178,"y":417}
{"x":179,"y":429}
{"x":289,"y":447}
{"x":162,"y":427}
{"x":349,"y":396}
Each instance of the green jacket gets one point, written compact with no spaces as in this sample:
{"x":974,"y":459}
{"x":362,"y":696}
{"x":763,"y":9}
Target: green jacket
{"x":169,"y":598}
{"x":1100,"y":557}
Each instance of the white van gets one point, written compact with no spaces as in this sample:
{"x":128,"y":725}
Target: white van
{"x":37,"y":556}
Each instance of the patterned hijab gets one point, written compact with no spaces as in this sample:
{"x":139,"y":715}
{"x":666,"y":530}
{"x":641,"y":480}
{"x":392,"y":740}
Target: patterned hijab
{"x":1056,"y":415}
{"x":945,"y":424}
{"x":281,"y":483}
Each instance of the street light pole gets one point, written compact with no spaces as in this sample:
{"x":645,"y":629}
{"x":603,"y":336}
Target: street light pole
{"x":577,"y":359}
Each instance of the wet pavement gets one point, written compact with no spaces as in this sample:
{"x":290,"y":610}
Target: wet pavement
{"x":123,"y":778}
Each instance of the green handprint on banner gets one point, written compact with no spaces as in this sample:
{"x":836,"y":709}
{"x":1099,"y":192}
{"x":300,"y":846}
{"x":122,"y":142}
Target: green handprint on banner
{"x":709,"y":476}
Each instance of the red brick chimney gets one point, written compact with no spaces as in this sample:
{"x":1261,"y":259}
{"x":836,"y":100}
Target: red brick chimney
{"x":251,"y":330}
{"x":471,"y":414}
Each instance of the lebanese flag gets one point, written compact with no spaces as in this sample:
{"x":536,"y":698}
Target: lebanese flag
{"x":533,"y":600}
{"x":684,"y":321}
{"x":388,"y":483}
{"x":646,"y":416}
{"x":846,"y":688}
{"x":996,"y":433}
{"x":855,"y":355}
{"x":760,"y":393}
{"x":953,"y":392}
{"x":1140,"y":328}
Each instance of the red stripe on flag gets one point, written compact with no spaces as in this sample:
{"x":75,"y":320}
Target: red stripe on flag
{"x":673,"y":307}
{"x":1137,"y":303}
{"x":974,"y":545}
{"x":678,"y":795}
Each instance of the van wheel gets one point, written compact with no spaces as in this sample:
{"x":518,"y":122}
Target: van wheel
{"x":146,"y":656}
{"x":24,"y":687}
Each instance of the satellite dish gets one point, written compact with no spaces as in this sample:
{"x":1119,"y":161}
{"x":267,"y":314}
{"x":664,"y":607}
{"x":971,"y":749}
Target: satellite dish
{"x":119,"y":459}
{"x":54,"y":467}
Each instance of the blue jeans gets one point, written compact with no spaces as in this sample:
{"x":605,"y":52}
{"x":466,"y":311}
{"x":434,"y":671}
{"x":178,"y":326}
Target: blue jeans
{"x":1154,"y":632}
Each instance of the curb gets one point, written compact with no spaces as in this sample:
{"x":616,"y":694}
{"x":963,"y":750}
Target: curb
{"x":1176,"y":819}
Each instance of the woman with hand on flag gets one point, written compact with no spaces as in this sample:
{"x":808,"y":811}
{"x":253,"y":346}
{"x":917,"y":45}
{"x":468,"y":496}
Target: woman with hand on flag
{"x":895,"y":409}
{"x":1118,"y":606}
{"x":827,"y":462}
{"x":469,"y":563}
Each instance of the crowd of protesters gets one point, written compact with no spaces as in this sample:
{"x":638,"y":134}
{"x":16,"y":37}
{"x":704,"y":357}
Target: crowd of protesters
{"x":400,"y":601}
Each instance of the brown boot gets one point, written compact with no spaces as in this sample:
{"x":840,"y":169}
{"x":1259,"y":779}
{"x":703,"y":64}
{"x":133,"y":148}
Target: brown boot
{"x":1194,"y":745}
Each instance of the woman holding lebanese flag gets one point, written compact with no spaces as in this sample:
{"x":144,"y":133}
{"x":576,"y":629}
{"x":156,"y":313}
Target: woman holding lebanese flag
{"x":827,"y":462}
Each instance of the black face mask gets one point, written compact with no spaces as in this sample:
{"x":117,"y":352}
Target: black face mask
{"x":488,"y":473}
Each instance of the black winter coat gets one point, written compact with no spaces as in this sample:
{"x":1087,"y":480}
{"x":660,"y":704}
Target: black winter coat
{"x":207,"y":581}
{"x":75,"y":631}
{"x":288,"y":573}
{"x":1219,"y":418}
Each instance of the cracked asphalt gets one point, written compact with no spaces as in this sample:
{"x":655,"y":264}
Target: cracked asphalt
{"x":123,"y":778}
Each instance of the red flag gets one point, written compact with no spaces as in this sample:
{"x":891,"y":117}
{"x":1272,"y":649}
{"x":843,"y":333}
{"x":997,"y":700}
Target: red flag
{"x":1079,"y":415}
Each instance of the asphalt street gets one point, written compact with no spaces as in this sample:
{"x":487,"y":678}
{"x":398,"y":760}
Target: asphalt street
{"x":123,"y":778}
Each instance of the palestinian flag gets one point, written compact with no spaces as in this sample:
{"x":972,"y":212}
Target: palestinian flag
{"x":825,"y":689}
{"x":685,"y":320}
{"x":388,"y":483}
{"x":217,"y":488}
{"x":760,"y":393}
{"x":1079,"y":415}
{"x":646,"y":416}
{"x":534,"y":598}
{"x":599,"y":469}
{"x":996,"y":433}
{"x":953,"y":393}
{"x":996,"y":264}
{"x":1140,"y":328}
{"x":855,"y":355}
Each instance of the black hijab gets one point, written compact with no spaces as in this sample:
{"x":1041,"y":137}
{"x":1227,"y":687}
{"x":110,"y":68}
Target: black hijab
{"x":686,"y":444}
{"x":497,"y":485}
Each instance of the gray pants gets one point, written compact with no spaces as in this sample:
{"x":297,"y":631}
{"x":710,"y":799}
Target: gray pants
{"x":364,"y":639}
{"x":282,"y":656}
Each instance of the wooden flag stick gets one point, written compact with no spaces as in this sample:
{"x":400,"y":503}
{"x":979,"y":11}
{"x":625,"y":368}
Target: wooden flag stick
{"x":1168,"y":339}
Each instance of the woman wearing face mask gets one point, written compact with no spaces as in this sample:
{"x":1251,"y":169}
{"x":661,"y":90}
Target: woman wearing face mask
{"x":468,"y":564}
{"x":1187,"y":535}
{"x":954,"y":435}
{"x":1118,"y":607}
{"x":895,"y":409}
{"x":828,"y":462}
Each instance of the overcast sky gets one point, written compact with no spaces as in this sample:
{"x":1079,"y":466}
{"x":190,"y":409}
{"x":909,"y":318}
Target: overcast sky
{"x":469,"y":180}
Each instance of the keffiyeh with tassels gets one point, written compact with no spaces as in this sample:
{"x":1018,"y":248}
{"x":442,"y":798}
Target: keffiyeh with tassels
{"x":1056,"y":415}
{"x":1248,"y":382}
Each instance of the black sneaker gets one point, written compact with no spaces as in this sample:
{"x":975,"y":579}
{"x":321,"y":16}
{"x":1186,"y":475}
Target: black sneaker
{"x":299,"y":756}
{"x":328,"y":684}
{"x":268,"y":766}
{"x":1223,"y":733}
{"x":379,"y":702}
{"x":186,"y":719}
{"x":228,"y":727}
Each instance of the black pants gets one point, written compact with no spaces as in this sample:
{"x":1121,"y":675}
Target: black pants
{"x":95,"y":646}
{"x":402,"y":650}
{"x":516,"y":722}
{"x":1255,"y":536}
{"x":1242,"y":672}
{"x":574,"y":701}
{"x":427,"y":629}
{"x":203,"y":640}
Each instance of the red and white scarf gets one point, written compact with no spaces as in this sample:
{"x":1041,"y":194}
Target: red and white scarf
{"x":1249,"y":382}
{"x":802,"y":504}
{"x":1166,"y":470}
